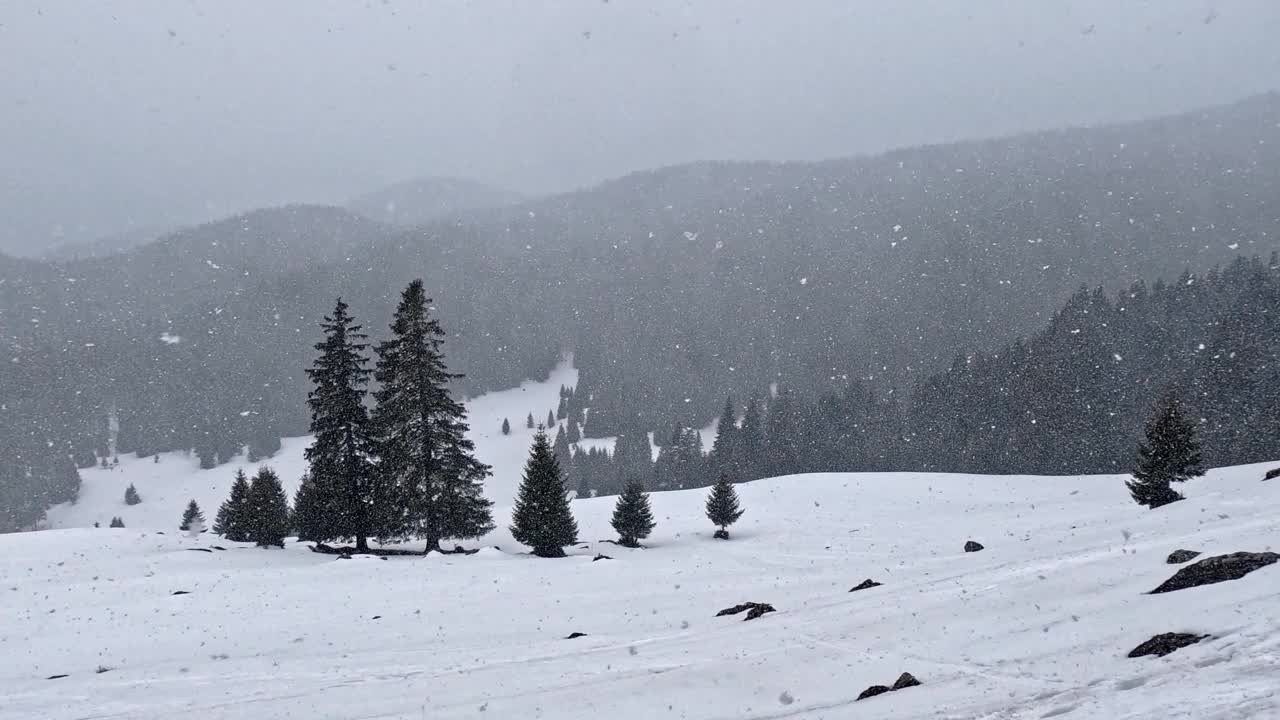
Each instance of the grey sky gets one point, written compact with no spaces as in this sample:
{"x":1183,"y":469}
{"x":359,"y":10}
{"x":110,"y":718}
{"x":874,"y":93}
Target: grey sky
{"x":146,"y":112}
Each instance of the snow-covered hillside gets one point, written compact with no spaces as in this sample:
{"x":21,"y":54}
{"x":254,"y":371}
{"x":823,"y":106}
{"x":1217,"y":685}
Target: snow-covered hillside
{"x":1035,"y":626}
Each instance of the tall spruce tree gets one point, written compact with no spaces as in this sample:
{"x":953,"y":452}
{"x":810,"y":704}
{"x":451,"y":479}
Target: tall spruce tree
{"x":1169,"y":454}
{"x":750,"y":452}
{"x":428,"y":478}
{"x":339,"y":457}
{"x":506,"y":426}
{"x":528,"y":423}
{"x":232,"y":520}
{"x":268,"y":509}
{"x":723,"y":458}
{"x":551,"y":419}
{"x":632,"y":516}
{"x":307,"y":519}
{"x":191,"y":515}
{"x":722,"y":506}
{"x":542,"y":518}
{"x":131,"y":496}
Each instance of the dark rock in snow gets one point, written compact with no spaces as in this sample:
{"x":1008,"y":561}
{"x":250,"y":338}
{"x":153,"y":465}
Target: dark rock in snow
{"x":1177,"y":557}
{"x":1219,"y":568}
{"x":601,"y":557}
{"x":200,"y":550}
{"x":721,"y":535}
{"x":971,"y":546}
{"x":57,"y":677}
{"x":574,"y":635}
{"x":1272,"y":474}
{"x":180,"y":592}
{"x":905,"y":680}
{"x":217,"y":547}
{"x":874,"y":690}
{"x":376,"y":617}
{"x":1165,"y":643}
{"x":865,"y":585}
{"x":753,"y":610}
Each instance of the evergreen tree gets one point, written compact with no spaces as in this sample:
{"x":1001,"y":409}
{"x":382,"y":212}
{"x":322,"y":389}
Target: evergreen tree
{"x":116,"y":522}
{"x":542,"y":518}
{"x":724,"y":448}
{"x":551,"y":419}
{"x":1169,"y":454}
{"x":192,"y":514}
{"x":131,"y":496}
{"x":632,"y":516}
{"x":722,"y":506}
{"x":528,"y":423}
{"x":506,"y":426}
{"x":268,"y":507}
{"x":232,"y":520}
{"x":562,"y":410}
{"x":750,"y":452}
{"x":426,"y":464}
{"x":307,"y":518}
{"x":574,"y":435}
{"x":339,"y":457}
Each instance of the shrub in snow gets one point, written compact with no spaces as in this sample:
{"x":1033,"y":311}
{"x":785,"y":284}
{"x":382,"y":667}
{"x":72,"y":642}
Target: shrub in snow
{"x":190,"y":516}
{"x":116,"y":522}
{"x":1168,"y":454}
{"x":131,"y":496}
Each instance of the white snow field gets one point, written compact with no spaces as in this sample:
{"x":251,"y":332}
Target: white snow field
{"x":1035,"y":626}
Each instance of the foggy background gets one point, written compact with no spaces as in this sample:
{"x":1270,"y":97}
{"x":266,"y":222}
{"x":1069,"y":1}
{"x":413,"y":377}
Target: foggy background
{"x":120,"y":114}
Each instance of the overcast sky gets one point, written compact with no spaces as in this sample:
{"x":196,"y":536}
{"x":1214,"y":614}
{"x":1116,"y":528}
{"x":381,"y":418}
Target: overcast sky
{"x":154,"y":112}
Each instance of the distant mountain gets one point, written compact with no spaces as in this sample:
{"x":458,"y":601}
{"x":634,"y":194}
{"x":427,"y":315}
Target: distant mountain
{"x":104,"y":246}
{"x":423,"y":200}
{"x":673,"y":288}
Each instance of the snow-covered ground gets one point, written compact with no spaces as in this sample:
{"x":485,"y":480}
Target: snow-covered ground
{"x":1036,"y":626}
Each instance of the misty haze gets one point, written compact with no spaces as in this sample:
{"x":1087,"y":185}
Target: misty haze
{"x":636,"y":359}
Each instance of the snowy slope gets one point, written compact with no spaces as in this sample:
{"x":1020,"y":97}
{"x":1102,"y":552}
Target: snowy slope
{"x":1036,"y":626}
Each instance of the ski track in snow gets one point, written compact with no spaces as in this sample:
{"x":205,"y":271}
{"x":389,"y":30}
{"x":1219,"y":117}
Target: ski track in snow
{"x":1035,"y":626}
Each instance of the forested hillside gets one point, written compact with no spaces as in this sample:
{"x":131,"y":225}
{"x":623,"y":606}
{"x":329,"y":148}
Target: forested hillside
{"x":673,"y":288}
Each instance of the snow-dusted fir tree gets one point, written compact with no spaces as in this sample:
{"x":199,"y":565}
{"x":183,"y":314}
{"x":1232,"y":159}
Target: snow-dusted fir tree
{"x":268,"y":509}
{"x":307,"y":518}
{"x":506,"y":426}
{"x":339,"y":457}
{"x":528,"y":422}
{"x":1168,"y":454}
{"x":232,"y":519}
{"x":722,"y":506}
{"x":427,"y":475}
{"x":632,"y":516}
{"x":131,"y":496}
{"x":192,"y":515}
{"x":542,"y":518}
{"x":724,"y":449}
{"x":116,"y":522}
{"x":551,"y":419}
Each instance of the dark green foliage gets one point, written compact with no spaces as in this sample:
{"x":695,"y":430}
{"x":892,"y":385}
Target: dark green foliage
{"x":191,"y":515}
{"x":680,"y":463}
{"x":724,"y":449}
{"x":528,"y":423}
{"x":632,"y":516}
{"x":427,"y":482}
{"x":308,"y":520}
{"x":1169,"y":454}
{"x":632,"y":457}
{"x":268,"y":509}
{"x":116,"y":522}
{"x":574,"y":435}
{"x":551,"y":419}
{"x":722,"y":506}
{"x":542,"y":518}
{"x":233,"y":519}
{"x":131,"y":496}
{"x":340,"y":456}
{"x":263,"y":444}
{"x":751,"y":452}
{"x":506,"y":426}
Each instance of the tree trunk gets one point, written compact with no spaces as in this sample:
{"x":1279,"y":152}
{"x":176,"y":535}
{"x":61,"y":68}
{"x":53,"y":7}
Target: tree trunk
{"x":362,"y":543}
{"x":432,"y":544}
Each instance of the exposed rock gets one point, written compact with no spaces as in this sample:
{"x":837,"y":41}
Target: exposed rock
{"x":1165,"y":643}
{"x":217,"y":547}
{"x":601,"y":557}
{"x":753,"y":610}
{"x":874,"y":690}
{"x":57,"y":677}
{"x":376,"y":617}
{"x":180,"y":592}
{"x":905,"y":680}
{"x":1219,"y":568}
{"x":721,"y":535}
{"x":574,"y":635}
{"x":865,"y":585}
{"x":1177,"y":557}
{"x":1272,"y":474}
{"x":971,"y":546}
{"x":200,"y":550}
